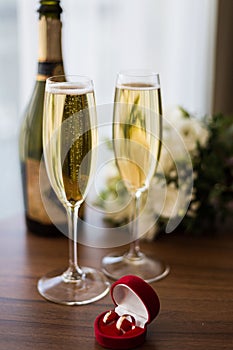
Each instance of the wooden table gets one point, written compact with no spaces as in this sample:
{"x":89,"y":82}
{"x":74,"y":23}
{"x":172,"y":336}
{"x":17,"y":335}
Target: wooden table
{"x":196,"y":298}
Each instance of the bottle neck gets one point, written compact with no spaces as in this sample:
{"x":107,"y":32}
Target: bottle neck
{"x":50,"y":60}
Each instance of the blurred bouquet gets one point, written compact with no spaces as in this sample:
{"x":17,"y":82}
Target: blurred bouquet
{"x":192,"y":189}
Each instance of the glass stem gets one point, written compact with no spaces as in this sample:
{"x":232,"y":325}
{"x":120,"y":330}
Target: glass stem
{"x":74,"y":272}
{"x":134,"y":250}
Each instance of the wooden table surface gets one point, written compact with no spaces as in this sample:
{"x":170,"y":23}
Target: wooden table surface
{"x":196,"y":298}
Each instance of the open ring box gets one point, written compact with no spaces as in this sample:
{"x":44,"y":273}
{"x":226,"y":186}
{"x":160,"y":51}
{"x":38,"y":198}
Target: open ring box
{"x":138,"y":300}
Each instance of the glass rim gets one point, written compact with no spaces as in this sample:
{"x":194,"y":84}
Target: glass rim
{"x":68,"y":82}
{"x":141,"y":73}
{"x":78,"y":76}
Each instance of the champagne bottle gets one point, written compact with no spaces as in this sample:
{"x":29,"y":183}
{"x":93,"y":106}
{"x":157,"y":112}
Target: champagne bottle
{"x":30,"y":141}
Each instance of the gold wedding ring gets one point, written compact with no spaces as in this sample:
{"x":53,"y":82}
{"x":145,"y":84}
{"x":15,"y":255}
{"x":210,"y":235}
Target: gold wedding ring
{"x":120,"y":321}
{"x":109,"y":317}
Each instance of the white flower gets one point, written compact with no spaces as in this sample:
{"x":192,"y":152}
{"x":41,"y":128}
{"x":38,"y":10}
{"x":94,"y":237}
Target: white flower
{"x":191,"y":130}
{"x":164,"y":199}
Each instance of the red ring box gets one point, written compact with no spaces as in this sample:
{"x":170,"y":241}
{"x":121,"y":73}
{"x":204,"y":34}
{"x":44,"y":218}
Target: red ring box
{"x":132,"y":296}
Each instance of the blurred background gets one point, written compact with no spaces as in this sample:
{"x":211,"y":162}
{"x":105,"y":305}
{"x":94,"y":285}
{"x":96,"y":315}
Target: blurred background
{"x":188,"y":42}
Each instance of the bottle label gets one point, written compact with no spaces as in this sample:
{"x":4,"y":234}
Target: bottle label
{"x":41,"y":200}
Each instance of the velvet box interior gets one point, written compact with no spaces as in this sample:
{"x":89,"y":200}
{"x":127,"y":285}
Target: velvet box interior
{"x":136,"y":305}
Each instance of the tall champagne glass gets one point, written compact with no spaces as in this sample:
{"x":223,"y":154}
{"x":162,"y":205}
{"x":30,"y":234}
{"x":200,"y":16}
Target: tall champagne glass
{"x":137,"y":133}
{"x":69,"y":141}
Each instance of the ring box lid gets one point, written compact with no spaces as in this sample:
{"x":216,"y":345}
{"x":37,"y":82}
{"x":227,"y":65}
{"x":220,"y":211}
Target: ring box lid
{"x":132,"y":296}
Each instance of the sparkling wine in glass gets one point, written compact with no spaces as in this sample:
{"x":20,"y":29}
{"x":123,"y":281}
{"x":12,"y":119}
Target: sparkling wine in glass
{"x":137,"y":137}
{"x":69,"y":141}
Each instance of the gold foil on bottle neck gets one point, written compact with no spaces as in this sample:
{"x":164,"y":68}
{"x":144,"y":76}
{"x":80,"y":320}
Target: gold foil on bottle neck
{"x":49,"y":39}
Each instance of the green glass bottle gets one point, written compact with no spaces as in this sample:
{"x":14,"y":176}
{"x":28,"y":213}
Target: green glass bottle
{"x":50,"y":63}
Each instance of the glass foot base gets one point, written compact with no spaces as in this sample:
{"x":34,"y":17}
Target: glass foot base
{"x":151,"y":270}
{"x":55,"y":287}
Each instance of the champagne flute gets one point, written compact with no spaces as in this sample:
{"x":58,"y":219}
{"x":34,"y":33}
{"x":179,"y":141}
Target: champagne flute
{"x":137,"y":133}
{"x":69,"y":141}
